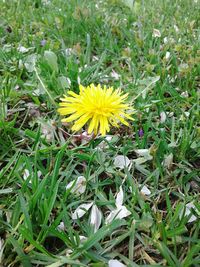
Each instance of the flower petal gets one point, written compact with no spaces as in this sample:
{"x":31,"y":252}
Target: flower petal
{"x":81,"y":210}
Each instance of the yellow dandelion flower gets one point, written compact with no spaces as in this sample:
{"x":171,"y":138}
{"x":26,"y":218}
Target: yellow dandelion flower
{"x":97,"y":106}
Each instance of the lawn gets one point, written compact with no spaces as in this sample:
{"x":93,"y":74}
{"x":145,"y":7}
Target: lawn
{"x":129,"y":198}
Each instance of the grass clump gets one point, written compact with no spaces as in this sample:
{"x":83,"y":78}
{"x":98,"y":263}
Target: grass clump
{"x":131,"y":197}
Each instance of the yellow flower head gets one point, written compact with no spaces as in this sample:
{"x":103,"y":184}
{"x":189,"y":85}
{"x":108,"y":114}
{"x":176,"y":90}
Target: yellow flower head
{"x":98,"y":106}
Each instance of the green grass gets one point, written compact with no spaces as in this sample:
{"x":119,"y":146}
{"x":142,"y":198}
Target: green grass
{"x":87,"y":41}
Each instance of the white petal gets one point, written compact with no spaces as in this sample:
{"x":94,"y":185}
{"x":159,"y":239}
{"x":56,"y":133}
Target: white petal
{"x":119,"y":197}
{"x":68,"y":51}
{"x":79,"y":187}
{"x":188,"y":210}
{"x":81,"y":210}
{"x":167,"y":56}
{"x":82,"y":238}
{"x":96,"y":217}
{"x":79,"y":80}
{"x":22,"y":49}
{"x":61,"y":227}
{"x":168,"y":161}
{"x":163,"y":117}
{"x":115,"y":263}
{"x":145,"y":191}
{"x":115,"y":75}
{"x":144,"y":153}
{"x":68,"y":252}
{"x":121,"y":162}
{"x":119,"y":213}
{"x":26,"y":174}
{"x":156,"y":33}
{"x":1,"y":244}
{"x":185,"y":94}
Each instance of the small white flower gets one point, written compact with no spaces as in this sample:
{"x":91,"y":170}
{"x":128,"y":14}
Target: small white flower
{"x":145,"y":190}
{"x":156,"y":33}
{"x":121,"y":162}
{"x":96,"y":217}
{"x":77,"y":187}
{"x":115,"y":263}
{"x":81,"y":210}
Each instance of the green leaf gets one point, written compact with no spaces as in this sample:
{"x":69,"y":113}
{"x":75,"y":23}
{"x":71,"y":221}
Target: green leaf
{"x":51,"y":59}
{"x":25,"y":260}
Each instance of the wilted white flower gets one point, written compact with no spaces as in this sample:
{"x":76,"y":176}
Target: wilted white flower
{"x":115,"y":75}
{"x":119,"y":197}
{"x":26,"y":174}
{"x":96,"y":218}
{"x":165,"y":40}
{"x":188,"y":211}
{"x":78,"y":186}
{"x":22,"y":49}
{"x":121,"y":162}
{"x":61,"y":227}
{"x":176,"y":28}
{"x":145,"y":153}
{"x":187,"y":114}
{"x":121,"y":211}
{"x":81,"y":210}
{"x":168,"y":161}
{"x":156,"y":33}
{"x":145,"y":191}
{"x":163,"y":117}
{"x":48,"y":130}
{"x":68,"y":51}
{"x":185,"y":94}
